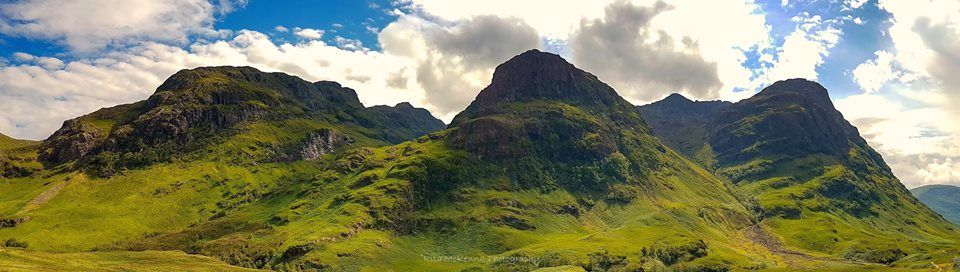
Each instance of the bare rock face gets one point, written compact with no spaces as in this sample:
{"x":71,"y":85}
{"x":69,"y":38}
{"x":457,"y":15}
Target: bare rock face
{"x":73,"y":141}
{"x":321,"y":143}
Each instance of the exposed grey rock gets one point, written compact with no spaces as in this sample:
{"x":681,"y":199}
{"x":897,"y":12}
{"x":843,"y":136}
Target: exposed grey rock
{"x":321,"y":143}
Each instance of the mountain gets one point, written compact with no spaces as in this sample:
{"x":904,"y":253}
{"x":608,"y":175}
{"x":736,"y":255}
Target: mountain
{"x":197,"y":108}
{"x":548,"y":168}
{"x":816,"y":182}
{"x":944,"y":199}
{"x":682,"y":125}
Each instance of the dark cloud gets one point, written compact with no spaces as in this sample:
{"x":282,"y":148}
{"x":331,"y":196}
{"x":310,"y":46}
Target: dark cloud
{"x":474,"y":45}
{"x":642,"y":63}
{"x":485,"y":41}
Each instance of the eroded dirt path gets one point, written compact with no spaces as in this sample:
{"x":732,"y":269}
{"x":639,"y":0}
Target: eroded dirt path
{"x":47,"y":195}
{"x":756,"y":234}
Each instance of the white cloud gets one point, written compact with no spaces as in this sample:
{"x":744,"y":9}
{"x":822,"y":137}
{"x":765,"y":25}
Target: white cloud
{"x":854,"y":4}
{"x":280,"y":28}
{"x":349,"y":44}
{"x":308,"y":33}
{"x":643,"y":64}
{"x":90,"y":25}
{"x":803,"y":50}
{"x":874,"y":73}
{"x":917,"y":143}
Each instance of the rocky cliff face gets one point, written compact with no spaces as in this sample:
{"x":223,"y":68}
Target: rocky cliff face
{"x":321,"y":143}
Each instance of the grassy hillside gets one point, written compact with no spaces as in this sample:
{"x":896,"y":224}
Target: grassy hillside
{"x":944,"y":199}
{"x":28,"y":260}
{"x":6,"y":142}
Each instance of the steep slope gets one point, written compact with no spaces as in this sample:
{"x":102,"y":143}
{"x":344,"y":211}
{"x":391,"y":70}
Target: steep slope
{"x":817,"y":183}
{"x":944,"y":199}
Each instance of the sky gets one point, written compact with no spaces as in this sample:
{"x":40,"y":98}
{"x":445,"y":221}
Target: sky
{"x":890,"y":65}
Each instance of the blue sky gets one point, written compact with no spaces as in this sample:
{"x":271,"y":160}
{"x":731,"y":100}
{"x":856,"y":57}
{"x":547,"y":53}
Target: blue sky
{"x":883,"y":61}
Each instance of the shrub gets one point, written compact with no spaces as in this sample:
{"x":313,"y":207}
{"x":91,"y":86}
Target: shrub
{"x":884,"y":256}
{"x":603,"y":261}
{"x":672,"y":254}
{"x":14,"y":243}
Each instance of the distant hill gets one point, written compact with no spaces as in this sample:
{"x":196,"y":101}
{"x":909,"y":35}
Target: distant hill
{"x":944,"y":199}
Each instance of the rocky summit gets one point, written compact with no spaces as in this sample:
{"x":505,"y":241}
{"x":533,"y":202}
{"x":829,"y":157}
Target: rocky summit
{"x":548,"y":169}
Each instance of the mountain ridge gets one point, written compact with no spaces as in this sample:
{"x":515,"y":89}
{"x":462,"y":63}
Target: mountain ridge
{"x":195,"y":105}
{"x":944,"y":199}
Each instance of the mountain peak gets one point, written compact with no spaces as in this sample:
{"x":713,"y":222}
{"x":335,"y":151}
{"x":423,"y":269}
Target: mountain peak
{"x":536,"y":75}
{"x":798,"y":88}
{"x":676,"y":97}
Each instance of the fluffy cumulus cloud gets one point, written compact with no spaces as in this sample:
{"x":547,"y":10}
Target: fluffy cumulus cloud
{"x":640,"y":62}
{"x":873,"y":74}
{"x":88,"y":25}
{"x":306,"y":33}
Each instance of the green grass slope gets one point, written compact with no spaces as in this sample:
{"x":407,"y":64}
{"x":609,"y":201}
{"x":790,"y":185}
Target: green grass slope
{"x":816,"y":183}
{"x":6,"y":142}
{"x":944,"y":199}
{"x":26,"y":260}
